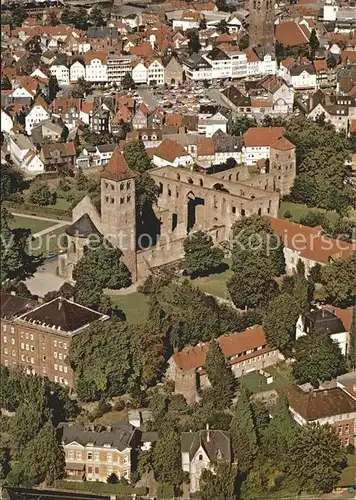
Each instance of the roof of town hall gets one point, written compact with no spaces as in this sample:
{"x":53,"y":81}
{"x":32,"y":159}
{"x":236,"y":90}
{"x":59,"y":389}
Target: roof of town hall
{"x":117,"y":169}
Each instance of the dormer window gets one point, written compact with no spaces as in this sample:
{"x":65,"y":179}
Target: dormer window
{"x":200,"y":457}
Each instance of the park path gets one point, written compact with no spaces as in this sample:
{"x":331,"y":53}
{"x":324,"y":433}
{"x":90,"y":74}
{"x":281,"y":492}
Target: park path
{"x":50,"y":229}
{"x":38,"y":217}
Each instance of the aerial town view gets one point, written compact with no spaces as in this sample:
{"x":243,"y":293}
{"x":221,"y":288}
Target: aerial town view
{"x":178,"y":250}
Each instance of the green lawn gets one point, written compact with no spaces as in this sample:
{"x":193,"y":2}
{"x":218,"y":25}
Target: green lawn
{"x":27,"y":223}
{"x":348,"y":475}
{"x":215,"y":283}
{"x":298,"y":211}
{"x":257,"y":383}
{"x":134,"y":305}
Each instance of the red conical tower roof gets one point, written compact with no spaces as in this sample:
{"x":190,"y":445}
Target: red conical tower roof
{"x":117,"y":168}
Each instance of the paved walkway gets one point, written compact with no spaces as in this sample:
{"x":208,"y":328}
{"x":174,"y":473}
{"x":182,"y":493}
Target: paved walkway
{"x":50,"y":229}
{"x":38,"y":217}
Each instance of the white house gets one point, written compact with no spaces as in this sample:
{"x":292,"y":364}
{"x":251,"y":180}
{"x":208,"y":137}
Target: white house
{"x":197,"y":68}
{"x":19,"y":147}
{"x":155,"y":73}
{"x":61,"y":72}
{"x":200,"y":450}
{"x":322,"y":319}
{"x":303,"y":77}
{"x":253,"y":64}
{"x":258,"y":141}
{"x":95,"y":67}
{"x":37,"y":114}
{"x":188,"y":20}
{"x":139,"y":73}
{"x":220,"y":63}
{"x":234,"y":25}
{"x":32,"y":163}
{"x":268,"y":65}
{"x":76,"y":71}
{"x":171,"y":153}
{"x":37,"y":72}
{"x":22,"y":93}
{"x":6,"y":122}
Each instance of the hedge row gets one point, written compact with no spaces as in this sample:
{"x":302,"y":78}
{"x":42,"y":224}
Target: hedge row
{"x":100,"y":488}
{"x":37,"y":210}
{"x":47,"y":176}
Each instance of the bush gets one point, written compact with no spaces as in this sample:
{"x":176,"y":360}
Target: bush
{"x":119,"y":405}
{"x":104,"y":407}
{"x":165,"y":491}
{"x":100,"y":488}
{"x":37,"y":210}
{"x":287,"y":214}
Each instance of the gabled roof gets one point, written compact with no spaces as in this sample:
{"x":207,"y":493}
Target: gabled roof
{"x":170,"y":150}
{"x":82,"y":227}
{"x":215,"y":443}
{"x":119,"y":436}
{"x":291,"y":34}
{"x":61,"y":315}
{"x":282,"y":144}
{"x":217,"y":54}
{"x":117,"y":169}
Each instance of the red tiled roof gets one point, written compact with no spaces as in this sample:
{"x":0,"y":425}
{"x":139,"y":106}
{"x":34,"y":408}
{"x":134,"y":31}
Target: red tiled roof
{"x":344,"y":315}
{"x":262,"y":136}
{"x":282,"y":144}
{"x":251,"y":56}
{"x":117,"y":168}
{"x":170,"y":150}
{"x":310,"y":243}
{"x":353,"y":127}
{"x":320,"y":65}
{"x":205,"y":147}
{"x":173,"y":120}
{"x":261,"y":103}
{"x":287,"y":62}
{"x":291,"y":34}
{"x":192,"y":358}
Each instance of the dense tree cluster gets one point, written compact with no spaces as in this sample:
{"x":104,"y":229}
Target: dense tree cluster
{"x":201,"y":257}
{"x":257,"y":257}
{"x":33,"y":447}
{"x":339,"y":280}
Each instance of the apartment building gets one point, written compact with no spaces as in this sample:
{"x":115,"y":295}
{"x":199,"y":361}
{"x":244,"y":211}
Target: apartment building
{"x":92,"y":453}
{"x":335,"y":406}
{"x":155,"y":73}
{"x":118,"y":67}
{"x":96,"y":67}
{"x":37,"y":337}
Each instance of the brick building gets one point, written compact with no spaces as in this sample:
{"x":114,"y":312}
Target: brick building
{"x":246,"y":351}
{"x":92,"y":453}
{"x":335,"y":406}
{"x":37,"y":337}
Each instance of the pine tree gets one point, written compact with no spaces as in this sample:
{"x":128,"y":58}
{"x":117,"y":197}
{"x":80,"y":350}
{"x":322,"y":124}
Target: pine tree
{"x":352,"y":341}
{"x":243,"y":432}
{"x":220,"y":374}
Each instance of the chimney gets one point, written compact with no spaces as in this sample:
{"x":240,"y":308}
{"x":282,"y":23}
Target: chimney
{"x":207,"y":433}
{"x":13,"y":292}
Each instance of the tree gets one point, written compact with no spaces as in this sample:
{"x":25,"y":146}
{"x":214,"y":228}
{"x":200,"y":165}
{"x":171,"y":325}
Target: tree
{"x":82,"y":88}
{"x":101,"y":265}
{"x":314,"y":43}
{"x":316,"y":458}
{"x":96,"y":17}
{"x":112,"y":478}
{"x":279,"y":434}
{"x":193,"y":42}
{"x":11,"y":181}
{"x":41,"y":195}
{"x":317,"y":358}
{"x":18,"y":15}
{"x":201,"y":257}
{"x":279,"y":47}
{"x":136,"y":156}
{"x":222,"y":26}
{"x":202,"y":23}
{"x":16,"y":263}
{"x":218,"y":483}
{"x":279,"y":321}
{"x":44,"y":457}
{"x":128,"y":82}
{"x":252,"y":284}
{"x":5,"y":83}
{"x":339,"y":280}
{"x":315,"y":219}
{"x":220,"y":374}
{"x":167,"y":457}
{"x":241,"y":124}
{"x":66,"y":291}
{"x":222,"y":5}
{"x":243,"y":432}
{"x":4,"y":462}
{"x":352,"y":341}
{"x":244,"y":42}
